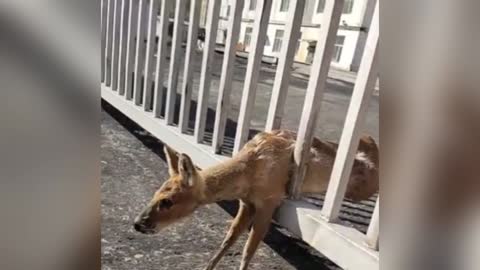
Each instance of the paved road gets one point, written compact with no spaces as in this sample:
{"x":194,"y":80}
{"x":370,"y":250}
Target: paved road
{"x":132,"y":168}
{"x":333,"y":109}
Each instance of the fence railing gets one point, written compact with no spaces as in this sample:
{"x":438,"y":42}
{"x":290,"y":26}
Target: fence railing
{"x":140,"y":77}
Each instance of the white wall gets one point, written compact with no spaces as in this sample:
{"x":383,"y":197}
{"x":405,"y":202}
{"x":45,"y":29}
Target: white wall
{"x":268,"y":49}
{"x":277,"y":19}
{"x":348,"y":50}
{"x":271,"y":35}
{"x":353,"y":19}
{"x":308,"y":34}
{"x":276,"y":14}
{"x":244,"y":26}
{"x":247,"y":13}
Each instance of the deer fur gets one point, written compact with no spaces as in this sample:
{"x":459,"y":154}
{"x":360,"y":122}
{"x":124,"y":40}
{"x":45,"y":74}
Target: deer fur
{"x":258,"y":177}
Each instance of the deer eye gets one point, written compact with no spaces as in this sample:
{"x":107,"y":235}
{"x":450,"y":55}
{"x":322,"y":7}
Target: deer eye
{"x":165,"y":204}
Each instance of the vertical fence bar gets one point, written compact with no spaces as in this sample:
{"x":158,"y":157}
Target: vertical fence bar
{"x":104,"y":37}
{"x":123,"y":46}
{"x":226,"y":79}
{"x":108,"y":52}
{"x":140,"y":53}
{"x":284,"y":68}
{"x":151,"y":42}
{"x":115,"y":42}
{"x":354,"y":121}
{"x":374,"y":227}
{"x":130,"y":58}
{"x":175,"y":59}
{"x":161,"y":56}
{"x":194,"y":18}
{"x":259,"y":36}
{"x":211,"y":26}
{"x":315,"y":89}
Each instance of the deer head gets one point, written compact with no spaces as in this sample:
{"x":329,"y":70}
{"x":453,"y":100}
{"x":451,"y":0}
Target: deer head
{"x":177,"y":198}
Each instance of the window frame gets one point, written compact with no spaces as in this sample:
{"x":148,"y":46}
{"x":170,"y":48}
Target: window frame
{"x":249,"y":33}
{"x":228,"y":10}
{"x":320,"y":3}
{"x":278,"y":41}
{"x":348,"y":6}
{"x":252,"y":5}
{"x":284,"y":5}
{"x":338,"y":49}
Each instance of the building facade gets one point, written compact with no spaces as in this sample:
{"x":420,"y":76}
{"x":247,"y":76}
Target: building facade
{"x":350,"y":39}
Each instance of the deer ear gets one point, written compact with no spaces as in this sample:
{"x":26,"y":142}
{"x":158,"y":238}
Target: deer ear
{"x":172,"y":160}
{"x":187,"y":169}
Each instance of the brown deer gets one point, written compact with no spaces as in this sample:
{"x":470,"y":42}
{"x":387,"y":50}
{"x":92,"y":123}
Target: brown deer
{"x":258,"y":177}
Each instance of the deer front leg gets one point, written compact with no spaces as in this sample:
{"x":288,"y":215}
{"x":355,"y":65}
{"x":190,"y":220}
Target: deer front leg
{"x":261,"y":223}
{"x":239,"y":225}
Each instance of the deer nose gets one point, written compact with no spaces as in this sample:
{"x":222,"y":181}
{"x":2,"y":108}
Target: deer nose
{"x":138,"y":227}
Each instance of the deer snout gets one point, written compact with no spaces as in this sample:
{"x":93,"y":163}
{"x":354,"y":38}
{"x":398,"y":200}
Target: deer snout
{"x":138,"y":224}
{"x":138,"y":227}
{"x":142,"y":225}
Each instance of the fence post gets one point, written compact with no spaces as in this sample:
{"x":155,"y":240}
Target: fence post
{"x":115,"y":43}
{"x":284,"y":68}
{"x":259,"y":36}
{"x":103,"y":16}
{"x":188,"y":69}
{"x":140,"y":52}
{"x":175,"y":61}
{"x":123,"y":47}
{"x":206,"y":73}
{"x":315,"y":89}
{"x":226,"y":79}
{"x":347,"y":148}
{"x":374,"y":227}
{"x":130,"y":58}
{"x":161,"y":56}
{"x":108,"y":52}
{"x":152,"y":33}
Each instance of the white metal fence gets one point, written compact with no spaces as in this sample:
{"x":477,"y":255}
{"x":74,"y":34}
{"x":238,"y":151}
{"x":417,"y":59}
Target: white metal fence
{"x":135,"y":36}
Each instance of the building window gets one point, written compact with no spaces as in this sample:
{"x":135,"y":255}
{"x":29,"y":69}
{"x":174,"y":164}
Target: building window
{"x":253,"y":4}
{"x":337,"y":53}
{"x":284,"y":5}
{"x":248,"y":37}
{"x":320,"y":6}
{"x":277,"y":43}
{"x":347,"y":7}
{"x":228,"y":11}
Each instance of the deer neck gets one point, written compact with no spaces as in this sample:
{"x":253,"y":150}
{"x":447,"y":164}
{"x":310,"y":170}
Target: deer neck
{"x":225,"y":181}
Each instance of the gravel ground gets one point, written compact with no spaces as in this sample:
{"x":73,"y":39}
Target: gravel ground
{"x":132,"y":169}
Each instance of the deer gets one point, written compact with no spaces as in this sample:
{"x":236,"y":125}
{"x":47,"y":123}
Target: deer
{"x":258,"y":177}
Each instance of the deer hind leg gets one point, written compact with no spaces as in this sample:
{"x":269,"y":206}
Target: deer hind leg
{"x":240,"y":224}
{"x":261,"y":223}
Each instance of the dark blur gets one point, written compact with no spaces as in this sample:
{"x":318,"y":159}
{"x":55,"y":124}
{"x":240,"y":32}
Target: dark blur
{"x":49,"y":110}
{"x":430,"y":132}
